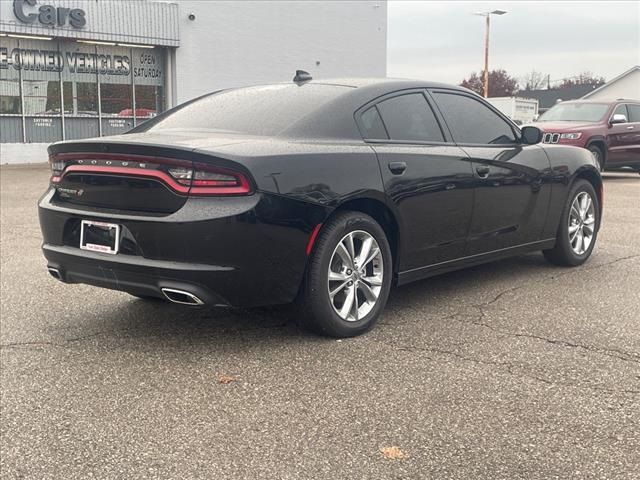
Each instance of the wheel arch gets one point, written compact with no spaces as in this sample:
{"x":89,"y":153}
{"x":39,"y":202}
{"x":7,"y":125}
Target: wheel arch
{"x":382,"y":214}
{"x":599,"y":141}
{"x":595,"y":179}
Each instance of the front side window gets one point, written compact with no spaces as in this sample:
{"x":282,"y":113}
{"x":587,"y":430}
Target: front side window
{"x":410,"y":118}
{"x":470,"y":121}
{"x":634,"y":113}
{"x":622,"y":110}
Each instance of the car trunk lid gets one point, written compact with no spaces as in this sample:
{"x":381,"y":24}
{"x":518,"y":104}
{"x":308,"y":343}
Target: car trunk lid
{"x":142,"y":172}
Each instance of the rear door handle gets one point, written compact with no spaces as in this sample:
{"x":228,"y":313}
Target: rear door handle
{"x":483,"y":171}
{"x":630,"y":127}
{"x":397,"y":168}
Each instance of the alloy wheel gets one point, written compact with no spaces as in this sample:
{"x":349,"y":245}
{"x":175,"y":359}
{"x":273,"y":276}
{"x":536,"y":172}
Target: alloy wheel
{"x":355,"y":275}
{"x":582,"y":221}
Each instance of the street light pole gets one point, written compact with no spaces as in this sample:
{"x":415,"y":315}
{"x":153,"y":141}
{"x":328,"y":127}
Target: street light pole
{"x":486,"y":58}
{"x":487,"y":16}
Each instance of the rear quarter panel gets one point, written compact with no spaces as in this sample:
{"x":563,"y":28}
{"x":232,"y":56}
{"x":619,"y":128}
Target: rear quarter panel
{"x":322,"y":173}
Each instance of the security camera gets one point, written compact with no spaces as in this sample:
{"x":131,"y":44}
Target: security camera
{"x":192,"y":16}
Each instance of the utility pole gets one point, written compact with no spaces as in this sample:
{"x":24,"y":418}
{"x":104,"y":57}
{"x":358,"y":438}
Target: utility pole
{"x":487,"y":15}
{"x":485,"y":88}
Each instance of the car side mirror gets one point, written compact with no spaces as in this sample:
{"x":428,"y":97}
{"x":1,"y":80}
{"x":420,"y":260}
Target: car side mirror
{"x":531,"y":135}
{"x":618,"y":118}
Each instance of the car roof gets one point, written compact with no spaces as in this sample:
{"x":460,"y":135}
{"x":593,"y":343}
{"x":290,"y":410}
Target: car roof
{"x":607,"y":101}
{"x":335,"y":119}
{"x":392,"y":83}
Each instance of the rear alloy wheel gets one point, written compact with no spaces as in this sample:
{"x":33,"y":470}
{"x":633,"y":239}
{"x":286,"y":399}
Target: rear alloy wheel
{"x":348,"y":278}
{"x":578,"y":227}
{"x":355,"y":275}
{"x":598,"y":154}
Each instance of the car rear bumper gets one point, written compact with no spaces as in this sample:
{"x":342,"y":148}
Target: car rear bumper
{"x":138,"y":275}
{"x":226,"y":251}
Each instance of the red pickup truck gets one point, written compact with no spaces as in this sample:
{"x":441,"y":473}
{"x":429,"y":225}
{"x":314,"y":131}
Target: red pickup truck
{"x":609,"y":129}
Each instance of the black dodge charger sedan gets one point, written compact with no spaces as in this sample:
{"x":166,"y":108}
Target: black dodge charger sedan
{"x":323,"y":193}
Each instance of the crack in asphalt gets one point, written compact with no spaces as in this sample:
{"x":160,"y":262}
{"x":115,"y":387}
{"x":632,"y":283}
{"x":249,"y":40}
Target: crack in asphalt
{"x":64,"y":343}
{"x":509,"y":368}
{"x":614,"y":353}
{"x":610,"y":352}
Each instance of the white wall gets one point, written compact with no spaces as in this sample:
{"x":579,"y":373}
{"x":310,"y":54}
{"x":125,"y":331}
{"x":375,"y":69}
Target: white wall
{"x":237,"y":43}
{"x":232,"y":44}
{"x":16,"y":153}
{"x":627,"y":87}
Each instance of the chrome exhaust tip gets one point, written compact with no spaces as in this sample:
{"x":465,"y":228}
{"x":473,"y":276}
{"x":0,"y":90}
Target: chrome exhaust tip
{"x":181,"y":297}
{"x":55,"y":273}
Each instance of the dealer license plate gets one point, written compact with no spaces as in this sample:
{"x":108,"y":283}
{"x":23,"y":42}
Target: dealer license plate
{"x":99,"y":236}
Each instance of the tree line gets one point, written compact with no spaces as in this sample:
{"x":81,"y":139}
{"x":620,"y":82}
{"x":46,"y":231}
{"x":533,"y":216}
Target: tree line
{"x":501,"y":84}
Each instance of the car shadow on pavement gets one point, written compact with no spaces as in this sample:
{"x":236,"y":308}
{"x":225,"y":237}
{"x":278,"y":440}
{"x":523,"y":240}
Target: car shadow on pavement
{"x":469,"y":284}
{"x":151,"y":321}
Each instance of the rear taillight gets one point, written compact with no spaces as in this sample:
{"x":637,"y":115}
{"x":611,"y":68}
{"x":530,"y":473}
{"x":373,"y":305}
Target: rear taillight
{"x":182,"y":176}
{"x":57,"y":167}
{"x":208,"y":180}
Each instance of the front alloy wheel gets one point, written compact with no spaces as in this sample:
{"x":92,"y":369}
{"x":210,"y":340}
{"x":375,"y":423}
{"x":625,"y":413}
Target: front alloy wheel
{"x":598,"y":156}
{"x":582,"y":222}
{"x":578,"y":228}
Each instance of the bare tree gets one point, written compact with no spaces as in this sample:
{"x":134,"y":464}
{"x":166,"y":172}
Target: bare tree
{"x":584,"y":78}
{"x":534,"y":80}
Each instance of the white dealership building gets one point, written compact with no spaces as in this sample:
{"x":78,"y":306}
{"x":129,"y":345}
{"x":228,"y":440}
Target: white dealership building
{"x":73,"y":69}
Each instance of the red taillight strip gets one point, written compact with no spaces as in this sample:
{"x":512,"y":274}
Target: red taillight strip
{"x":312,"y":238}
{"x":127,"y":171}
{"x":243,"y":187}
{"x":120,"y":157}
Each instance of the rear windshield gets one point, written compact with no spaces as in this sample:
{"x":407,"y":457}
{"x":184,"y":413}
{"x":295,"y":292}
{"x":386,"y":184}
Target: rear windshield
{"x":264,"y":110}
{"x":576,"y":112}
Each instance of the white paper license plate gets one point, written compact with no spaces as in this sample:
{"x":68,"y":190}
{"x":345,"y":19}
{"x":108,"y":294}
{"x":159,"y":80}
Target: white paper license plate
{"x":99,"y":236}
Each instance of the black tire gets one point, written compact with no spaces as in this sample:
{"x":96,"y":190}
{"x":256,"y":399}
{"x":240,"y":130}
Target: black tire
{"x":598,"y":153}
{"x":316,"y":310}
{"x":562,"y":253}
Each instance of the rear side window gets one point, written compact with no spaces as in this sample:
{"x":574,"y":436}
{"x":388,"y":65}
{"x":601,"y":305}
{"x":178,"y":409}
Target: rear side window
{"x":371,"y":124}
{"x":634,"y":113}
{"x":470,"y":121}
{"x":410,"y":118}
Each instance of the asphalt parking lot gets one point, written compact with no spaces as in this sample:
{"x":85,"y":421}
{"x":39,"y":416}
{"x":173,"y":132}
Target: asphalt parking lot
{"x":516,"y":369}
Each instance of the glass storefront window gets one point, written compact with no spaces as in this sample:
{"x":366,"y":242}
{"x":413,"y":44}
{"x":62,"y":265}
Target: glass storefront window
{"x":86,"y":90}
{"x":80,"y":99}
{"x":40,"y":65}
{"x":10,"y":103}
{"x":148,"y":101}
{"x":117,"y":100}
{"x":10,"y":96}
{"x":41,"y":97}
{"x":148,"y":68}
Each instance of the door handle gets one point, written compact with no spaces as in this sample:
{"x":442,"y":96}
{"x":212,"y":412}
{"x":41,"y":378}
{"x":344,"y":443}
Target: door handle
{"x":483,"y":171}
{"x":630,"y":127}
{"x":397,"y":168}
